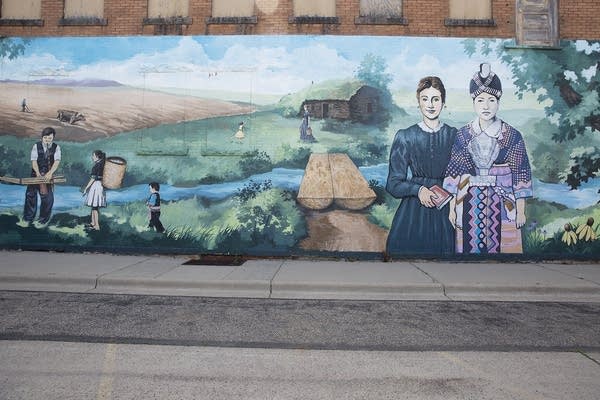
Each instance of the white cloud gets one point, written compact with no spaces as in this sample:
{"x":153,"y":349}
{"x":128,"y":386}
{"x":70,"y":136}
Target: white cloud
{"x":456,"y":73}
{"x":37,"y":66}
{"x":274,"y":70}
{"x":255,"y":69}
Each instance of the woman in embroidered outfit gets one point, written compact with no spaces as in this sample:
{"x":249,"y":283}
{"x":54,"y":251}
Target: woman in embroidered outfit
{"x":423,"y":149}
{"x":489,"y":174}
{"x":94,"y":191}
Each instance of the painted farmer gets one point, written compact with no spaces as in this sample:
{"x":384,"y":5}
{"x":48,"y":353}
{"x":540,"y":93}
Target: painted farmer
{"x":489,"y":174}
{"x":45,"y":158}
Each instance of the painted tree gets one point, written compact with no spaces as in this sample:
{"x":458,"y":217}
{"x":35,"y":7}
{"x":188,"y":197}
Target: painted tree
{"x":372,"y":71}
{"x":11,"y":48}
{"x":568,"y":80}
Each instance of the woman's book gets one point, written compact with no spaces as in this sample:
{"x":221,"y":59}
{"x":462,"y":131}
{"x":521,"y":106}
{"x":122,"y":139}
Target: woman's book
{"x":443,"y":196}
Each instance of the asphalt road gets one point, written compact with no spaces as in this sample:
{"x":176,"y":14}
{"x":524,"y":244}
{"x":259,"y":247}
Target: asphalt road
{"x":46,"y":370}
{"x":300,"y":324}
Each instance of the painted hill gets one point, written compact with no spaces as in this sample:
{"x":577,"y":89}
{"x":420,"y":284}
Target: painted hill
{"x":68,"y":82}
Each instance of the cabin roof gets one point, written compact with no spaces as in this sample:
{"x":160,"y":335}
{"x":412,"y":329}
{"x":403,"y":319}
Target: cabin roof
{"x":329,"y":90}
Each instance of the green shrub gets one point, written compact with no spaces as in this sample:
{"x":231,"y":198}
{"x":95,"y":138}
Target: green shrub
{"x":270,"y":219}
{"x":255,"y":162}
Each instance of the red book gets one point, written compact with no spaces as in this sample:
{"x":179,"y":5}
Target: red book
{"x":443,"y":196}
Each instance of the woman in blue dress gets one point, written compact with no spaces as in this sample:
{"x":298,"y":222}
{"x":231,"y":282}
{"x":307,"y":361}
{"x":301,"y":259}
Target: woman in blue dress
{"x":418,"y":160}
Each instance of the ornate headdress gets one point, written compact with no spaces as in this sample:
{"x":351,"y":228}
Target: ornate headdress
{"x":485,"y":81}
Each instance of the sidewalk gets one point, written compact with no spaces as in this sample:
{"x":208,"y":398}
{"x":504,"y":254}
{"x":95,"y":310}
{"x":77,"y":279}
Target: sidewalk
{"x":300,"y":279}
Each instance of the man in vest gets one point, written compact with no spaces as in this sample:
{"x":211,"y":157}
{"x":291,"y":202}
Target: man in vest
{"x":45,"y":158}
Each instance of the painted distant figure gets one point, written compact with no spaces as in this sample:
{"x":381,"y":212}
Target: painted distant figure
{"x":423,"y":149}
{"x":490,"y":175}
{"x":305,"y":128}
{"x":153,"y":204}
{"x":94,"y":191}
{"x":24,"y":107}
{"x":45,"y":159}
{"x":240,"y":132}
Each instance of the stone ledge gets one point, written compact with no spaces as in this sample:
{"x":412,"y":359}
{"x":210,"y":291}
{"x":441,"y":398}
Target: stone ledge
{"x":82,"y":21}
{"x":469,"y":22}
{"x":231,"y":20}
{"x":21,"y":22}
{"x":313,"y":20}
{"x":380,"y":20}
{"x":167,"y":21}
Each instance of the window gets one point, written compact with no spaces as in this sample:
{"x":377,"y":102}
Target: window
{"x":314,"y":12}
{"x":21,"y":12}
{"x":232,"y":12}
{"x":168,"y":16}
{"x":83,"y":12}
{"x":233,"y":8}
{"x":380,"y":12}
{"x":537,"y":23}
{"x":470,"y":13}
{"x":167,"y":8}
{"x":314,"y":8}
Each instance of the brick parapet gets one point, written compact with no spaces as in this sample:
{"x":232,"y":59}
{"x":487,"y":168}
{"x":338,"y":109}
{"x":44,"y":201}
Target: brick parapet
{"x":577,"y":20}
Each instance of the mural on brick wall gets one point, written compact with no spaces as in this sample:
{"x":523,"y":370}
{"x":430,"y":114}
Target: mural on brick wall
{"x":300,"y":145}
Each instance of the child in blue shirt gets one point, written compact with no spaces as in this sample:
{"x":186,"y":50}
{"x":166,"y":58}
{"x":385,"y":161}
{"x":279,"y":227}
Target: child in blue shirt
{"x":153,"y":204}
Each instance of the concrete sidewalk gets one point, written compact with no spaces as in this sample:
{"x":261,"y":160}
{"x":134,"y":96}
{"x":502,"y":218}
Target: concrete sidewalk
{"x":300,"y":279}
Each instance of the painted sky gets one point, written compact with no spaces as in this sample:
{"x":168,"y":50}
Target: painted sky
{"x":263,"y":64}
{"x":257,"y":64}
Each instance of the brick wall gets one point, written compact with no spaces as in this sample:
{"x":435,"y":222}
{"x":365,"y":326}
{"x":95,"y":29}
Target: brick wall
{"x":578,"y":20}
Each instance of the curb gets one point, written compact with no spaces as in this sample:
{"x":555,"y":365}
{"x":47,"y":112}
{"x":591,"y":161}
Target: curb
{"x":208,"y":288}
{"x":357,"y":291}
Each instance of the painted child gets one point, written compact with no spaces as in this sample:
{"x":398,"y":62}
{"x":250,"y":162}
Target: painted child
{"x":240,"y":132}
{"x":153,"y":204}
{"x":94,"y":191}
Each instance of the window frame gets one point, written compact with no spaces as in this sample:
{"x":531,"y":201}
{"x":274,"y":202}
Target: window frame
{"x":381,"y":19}
{"x":21,"y":21}
{"x":83,"y":21}
{"x":170,"y":20}
{"x":314,"y":19}
{"x":553,"y":41}
{"x":473,"y":22}
{"x":236,"y":20}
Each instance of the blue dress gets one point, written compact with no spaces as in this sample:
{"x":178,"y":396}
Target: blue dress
{"x":417,"y":229}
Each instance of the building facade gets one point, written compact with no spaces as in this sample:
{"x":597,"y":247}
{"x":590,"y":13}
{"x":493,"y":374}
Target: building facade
{"x":451,"y":18}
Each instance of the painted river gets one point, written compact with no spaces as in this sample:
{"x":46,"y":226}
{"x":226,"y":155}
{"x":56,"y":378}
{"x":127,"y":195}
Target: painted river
{"x":12,"y":196}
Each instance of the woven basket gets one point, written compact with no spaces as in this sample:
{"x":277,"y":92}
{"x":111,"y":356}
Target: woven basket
{"x":114,"y":171}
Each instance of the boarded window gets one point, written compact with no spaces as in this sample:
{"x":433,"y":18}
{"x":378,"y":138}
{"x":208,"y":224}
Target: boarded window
{"x":470,"y":9}
{"x":168,"y":8}
{"x":537,"y":23}
{"x":21,"y":9}
{"x":381,"y":8}
{"x":232,"y":8}
{"x":84,"y":8}
{"x":314,"y":8}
